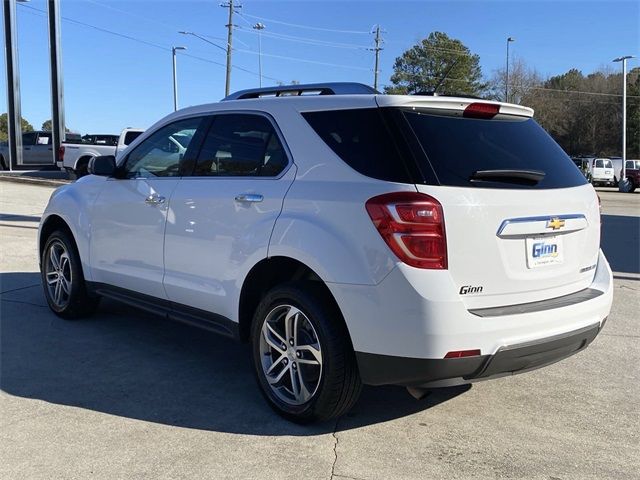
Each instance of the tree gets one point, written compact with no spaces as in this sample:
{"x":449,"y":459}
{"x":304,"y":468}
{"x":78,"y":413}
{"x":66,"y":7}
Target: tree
{"x":522,"y":82}
{"x":47,"y":125}
{"x":4,"y":128}
{"x":424,"y":65}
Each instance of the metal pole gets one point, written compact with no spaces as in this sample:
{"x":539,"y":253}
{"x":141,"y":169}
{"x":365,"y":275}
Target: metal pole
{"x":57,"y":92}
{"x":229,"y":26}
{"x":259,"y":27}
{"x":175,"y":80}
{"x":506,"y":82}
{"x":377,"y":50}
{"x":14,"y":117}
{"x":624,"y":119}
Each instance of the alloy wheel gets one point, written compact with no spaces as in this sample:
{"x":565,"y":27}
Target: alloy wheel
{"x":58,"y":274}
{"x":291,"y":355}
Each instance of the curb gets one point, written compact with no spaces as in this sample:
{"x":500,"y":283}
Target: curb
{"x":43,"y":182}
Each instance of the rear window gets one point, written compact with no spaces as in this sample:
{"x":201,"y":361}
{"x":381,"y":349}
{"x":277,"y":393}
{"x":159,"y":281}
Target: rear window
{"x":456,"y":148}
{"x":129,"y":137}
{"x":361,"y":139}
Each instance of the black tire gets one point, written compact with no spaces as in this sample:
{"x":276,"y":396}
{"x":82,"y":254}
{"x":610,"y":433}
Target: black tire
{"x":632,"y":186}
{"x":82,"y":168}
{"x":75,"y":302}
{"x":339,"y":385}
{"x":3,"y":163}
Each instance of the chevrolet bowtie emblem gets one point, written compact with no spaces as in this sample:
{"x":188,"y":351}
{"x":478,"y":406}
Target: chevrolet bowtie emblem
{"x":555,"y":223}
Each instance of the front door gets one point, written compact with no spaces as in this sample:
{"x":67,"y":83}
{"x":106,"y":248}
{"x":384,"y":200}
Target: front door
{"x":131,"y":211}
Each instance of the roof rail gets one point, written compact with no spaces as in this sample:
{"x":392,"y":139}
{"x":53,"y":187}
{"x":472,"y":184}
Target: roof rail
{"x":335,"y":88}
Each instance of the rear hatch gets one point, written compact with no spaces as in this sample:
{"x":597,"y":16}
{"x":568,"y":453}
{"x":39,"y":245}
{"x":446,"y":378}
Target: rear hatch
{"x":522,"y":224}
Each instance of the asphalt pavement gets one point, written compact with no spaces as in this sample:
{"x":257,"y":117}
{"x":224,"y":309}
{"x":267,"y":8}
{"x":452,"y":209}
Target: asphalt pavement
{"x":126,"y":395}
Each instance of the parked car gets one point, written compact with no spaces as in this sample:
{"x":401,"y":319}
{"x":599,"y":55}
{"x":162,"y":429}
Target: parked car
{"x":37,"y":149}
{"x":632,"y":168}
{"x":351,"y":237}
{"x":583,"y":164}
{"x":75,"y":157}
{"x":602,"y":173}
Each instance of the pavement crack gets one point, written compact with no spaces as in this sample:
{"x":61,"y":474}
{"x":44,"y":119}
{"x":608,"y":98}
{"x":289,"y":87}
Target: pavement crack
{"x":335,"y":449}
{"x":20,"y":288}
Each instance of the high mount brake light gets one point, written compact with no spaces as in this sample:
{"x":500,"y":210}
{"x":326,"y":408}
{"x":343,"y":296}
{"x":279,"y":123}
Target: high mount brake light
{"x":481,"y":110}
{"x":412,"y":225}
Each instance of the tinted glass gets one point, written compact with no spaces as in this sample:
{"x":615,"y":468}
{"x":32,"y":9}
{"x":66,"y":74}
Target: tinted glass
{"x":599,"y":164}
{"x":241,"y":145}
{"x":607,"y":164}
{"x":29,"y":138}
{"x":458,"y":147}
{"x":361,"y":139}
{"x":160,"y":154}
{"x":129,"y":137}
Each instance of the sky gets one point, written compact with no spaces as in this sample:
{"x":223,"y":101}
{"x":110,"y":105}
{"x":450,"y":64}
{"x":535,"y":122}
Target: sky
{"x":124,"y":78}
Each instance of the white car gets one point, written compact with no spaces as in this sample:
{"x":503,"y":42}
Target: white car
{"x":351,"y":237}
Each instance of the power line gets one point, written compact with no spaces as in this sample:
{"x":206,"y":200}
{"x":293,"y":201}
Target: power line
{"x":308,"y":27}
{"x":307,"y":40}
{"x":304,"y":60}
{"x":141,"y":41}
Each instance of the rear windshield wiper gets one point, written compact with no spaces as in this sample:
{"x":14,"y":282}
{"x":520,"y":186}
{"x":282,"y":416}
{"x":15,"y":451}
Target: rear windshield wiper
{"x":508,"y":176}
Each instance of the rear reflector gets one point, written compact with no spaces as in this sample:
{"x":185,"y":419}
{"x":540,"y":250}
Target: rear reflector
{"x":412,"y":225}
{"x":61,"y":153}
{"x":462,"y":353}
{"x":481,"y":110}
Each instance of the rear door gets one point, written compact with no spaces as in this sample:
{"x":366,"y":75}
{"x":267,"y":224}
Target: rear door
{"x":521,"y":221}
{"x":222,"y":216}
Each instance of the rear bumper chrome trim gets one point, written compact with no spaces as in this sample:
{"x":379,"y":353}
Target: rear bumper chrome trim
{"x":539,"y":306}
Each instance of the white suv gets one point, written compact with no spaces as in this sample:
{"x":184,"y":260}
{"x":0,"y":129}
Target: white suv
{"x":351,"y":237}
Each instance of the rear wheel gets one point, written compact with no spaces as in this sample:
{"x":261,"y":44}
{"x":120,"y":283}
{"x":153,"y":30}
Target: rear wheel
{"x":62,"y":278}
{"x":302,"y":355}
{"x":632,"y":186}
{"x":82,"y":168}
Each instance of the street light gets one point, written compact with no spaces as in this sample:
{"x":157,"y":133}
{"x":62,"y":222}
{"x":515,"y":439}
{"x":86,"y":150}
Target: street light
{"x":506,"y":83}
{"x":203,"y":39}
{"x":259,"y":27}
{"x":175,"y":77}
{"x":622,"y":185}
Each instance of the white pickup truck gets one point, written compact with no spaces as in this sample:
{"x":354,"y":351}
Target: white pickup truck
{"x":74,"y":157}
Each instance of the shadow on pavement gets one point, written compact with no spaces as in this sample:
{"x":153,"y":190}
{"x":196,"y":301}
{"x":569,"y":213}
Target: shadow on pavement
{"x":131,"y":364}
{"x":621,"y":242}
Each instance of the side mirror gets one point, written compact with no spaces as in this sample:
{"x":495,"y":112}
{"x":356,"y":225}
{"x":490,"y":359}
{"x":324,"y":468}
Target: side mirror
{"x":104,"y":166}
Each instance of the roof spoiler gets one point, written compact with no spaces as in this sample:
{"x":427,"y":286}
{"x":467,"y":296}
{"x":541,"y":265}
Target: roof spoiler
{"x":336,"y":88}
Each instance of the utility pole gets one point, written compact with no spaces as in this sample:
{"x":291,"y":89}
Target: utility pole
{"x":57,"y":85}
{"x":377,"y":49}
{"x":229,"y":26}
{"x":175,"y":77}
{"x":14,"y":127}
{"x":622,"y":185}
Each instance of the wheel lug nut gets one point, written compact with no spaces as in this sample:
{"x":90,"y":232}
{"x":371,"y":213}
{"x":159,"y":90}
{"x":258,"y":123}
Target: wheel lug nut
{"x":284,"y":346}
{"x":291,"y":342}
{"x":285,"y":361}
{"x":298,"y":354}
{"x":294,"y":365}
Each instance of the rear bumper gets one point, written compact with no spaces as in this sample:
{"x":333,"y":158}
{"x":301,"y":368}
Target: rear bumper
{"x":402,"y":332}
{"x":508,"y":360}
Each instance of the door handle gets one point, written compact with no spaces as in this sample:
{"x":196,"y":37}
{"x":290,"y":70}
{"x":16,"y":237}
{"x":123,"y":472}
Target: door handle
{"x":154,"y":199}
{"x":249,"y":198}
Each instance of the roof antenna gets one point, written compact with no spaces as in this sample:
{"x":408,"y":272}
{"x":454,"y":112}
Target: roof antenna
{"x":434,"y":92}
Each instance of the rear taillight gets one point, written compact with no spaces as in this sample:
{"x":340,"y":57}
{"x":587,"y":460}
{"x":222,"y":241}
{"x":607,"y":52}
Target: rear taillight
{"x":61,"y":153}
{"x":412,"y":225}
{"x":481,"y":110}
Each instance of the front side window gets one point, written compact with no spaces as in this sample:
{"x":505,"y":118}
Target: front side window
{"x":160,"y":154}
{"x":241,"y":145}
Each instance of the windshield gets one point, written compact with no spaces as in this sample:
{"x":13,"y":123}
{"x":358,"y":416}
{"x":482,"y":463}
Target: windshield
{"x":458,"y":148}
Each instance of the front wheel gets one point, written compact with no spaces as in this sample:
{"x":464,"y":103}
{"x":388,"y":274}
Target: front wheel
{"x":62,"y":278}
{"x":302,"y":354}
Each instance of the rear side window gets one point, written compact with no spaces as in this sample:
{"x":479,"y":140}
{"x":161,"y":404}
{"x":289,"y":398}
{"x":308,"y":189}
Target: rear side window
{"x":361,"y":139}
{"x":458,"y":148}
{"x":599,"y":164}
{"x":607,"y":164}
{"x":241,"y":145}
